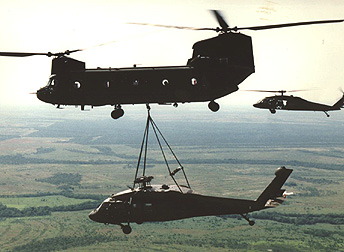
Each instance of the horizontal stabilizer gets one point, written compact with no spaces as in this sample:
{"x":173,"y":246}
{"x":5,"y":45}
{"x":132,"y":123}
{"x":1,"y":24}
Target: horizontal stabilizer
{"x":279,"y":200}
{"x":271,"y":203}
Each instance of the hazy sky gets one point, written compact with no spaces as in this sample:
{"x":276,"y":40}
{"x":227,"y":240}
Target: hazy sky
{"x":289,"y":58}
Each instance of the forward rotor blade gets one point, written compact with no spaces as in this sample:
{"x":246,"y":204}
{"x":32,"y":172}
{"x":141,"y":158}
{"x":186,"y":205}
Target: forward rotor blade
{"x":68,"y":52}
{"x":49,"y":54}
{"x":221,"y":20}
{"x":175,"y":27}
{"x":264,"y":27}
{"x":20,"y":54}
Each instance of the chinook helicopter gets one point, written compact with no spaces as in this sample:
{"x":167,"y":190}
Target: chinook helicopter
{"x":290,"y":102}
{"x":217,"y":66}
{"x":144,"y":202}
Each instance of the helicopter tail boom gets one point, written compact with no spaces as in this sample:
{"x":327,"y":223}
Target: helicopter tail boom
{"x":273,"y":194}
{"x":339,"y":104}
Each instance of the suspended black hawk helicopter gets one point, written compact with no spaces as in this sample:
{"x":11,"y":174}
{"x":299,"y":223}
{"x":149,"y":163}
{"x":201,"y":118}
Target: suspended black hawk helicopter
{"x":290,"y":102}
{"x":144,"y":202}
{"x":217,"y":66}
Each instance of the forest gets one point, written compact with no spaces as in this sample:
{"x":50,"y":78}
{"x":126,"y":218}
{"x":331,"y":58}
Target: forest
{"x":53,"y":175}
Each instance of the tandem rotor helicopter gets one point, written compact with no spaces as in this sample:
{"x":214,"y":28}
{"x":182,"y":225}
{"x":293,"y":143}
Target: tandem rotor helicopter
{"x":217,"y":66}
{"x":290,"y":102}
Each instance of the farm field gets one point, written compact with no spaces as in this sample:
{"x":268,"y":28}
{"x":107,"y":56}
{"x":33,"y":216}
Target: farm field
{"x":55,"y":171}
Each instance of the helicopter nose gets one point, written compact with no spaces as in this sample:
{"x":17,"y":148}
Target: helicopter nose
{"x":93,"y":215}
{"x":39,"y":94}
{"x":42,"y":94}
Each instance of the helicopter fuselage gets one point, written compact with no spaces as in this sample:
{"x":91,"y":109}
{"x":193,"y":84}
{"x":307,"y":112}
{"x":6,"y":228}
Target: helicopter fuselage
{"x":169,"y":202}
{"x":217,"y":67}
{"x":165,"y":203}
{"x":137,"y":85}
{"x":286,"y":102}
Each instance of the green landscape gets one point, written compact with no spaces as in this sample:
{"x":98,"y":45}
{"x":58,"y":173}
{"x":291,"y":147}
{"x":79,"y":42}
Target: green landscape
{"x":56,"y":168}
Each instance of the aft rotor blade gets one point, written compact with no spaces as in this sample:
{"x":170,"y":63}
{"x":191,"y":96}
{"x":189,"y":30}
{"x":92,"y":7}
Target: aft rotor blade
{"x":175,"y":27}
{"x":220,"y":19}
{"x":265,"y":27}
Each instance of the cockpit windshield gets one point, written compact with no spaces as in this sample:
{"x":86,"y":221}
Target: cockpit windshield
{"x":51,"y":81}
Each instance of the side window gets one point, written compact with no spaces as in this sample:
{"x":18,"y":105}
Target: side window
{"x":53,"y":84}
{"x":77,"y":84}
{"x":193,"y":81}
{"x":165,"y":82}
{"x":135,"y":83}
{"x":148,"y":208}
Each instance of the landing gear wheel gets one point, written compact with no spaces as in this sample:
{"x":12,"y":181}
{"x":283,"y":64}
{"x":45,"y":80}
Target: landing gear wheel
{"x":126,"y":229}
{"x":139,"y":221}
{"x":213,"y":106}
{"x":250,"y":222}
{"x":273,"y":111}
{"x":117,"y":113}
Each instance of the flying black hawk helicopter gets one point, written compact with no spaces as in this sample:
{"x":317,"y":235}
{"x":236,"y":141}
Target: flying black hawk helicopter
{"x":148,"y":203}
{"x":290,"y":102}
{"x":217,"y":66}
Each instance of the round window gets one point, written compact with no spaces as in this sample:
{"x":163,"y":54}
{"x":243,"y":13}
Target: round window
{"x":193,"y":81}
{"x":77,"y":84}
{"x":165,"y":82}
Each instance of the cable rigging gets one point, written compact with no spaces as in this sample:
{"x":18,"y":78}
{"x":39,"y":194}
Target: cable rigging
{"x":144,"y":180}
